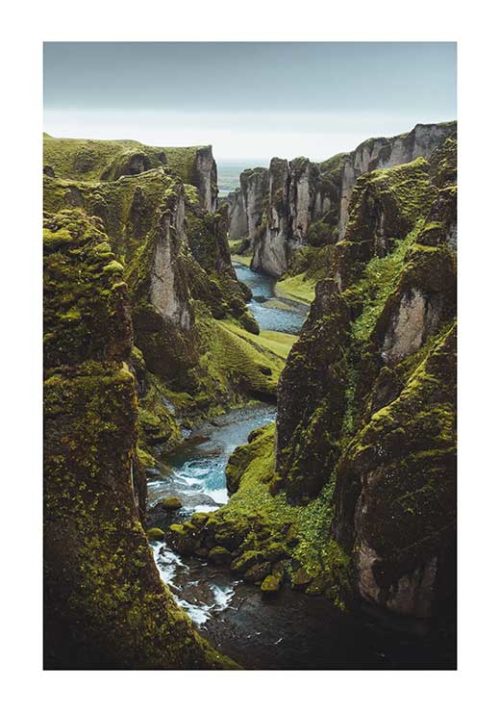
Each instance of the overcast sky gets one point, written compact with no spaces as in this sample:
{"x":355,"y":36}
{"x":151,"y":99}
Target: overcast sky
{"x":249,"y":100}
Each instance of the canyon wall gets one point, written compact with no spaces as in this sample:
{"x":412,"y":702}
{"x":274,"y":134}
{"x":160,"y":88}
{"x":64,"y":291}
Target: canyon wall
{"x":145,"y":333}
{"x":367,"y":398}
{"x":296,"y":203}
{"x":104,"y":603}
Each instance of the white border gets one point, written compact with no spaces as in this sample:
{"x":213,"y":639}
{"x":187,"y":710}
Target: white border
{"x":24,"y":29}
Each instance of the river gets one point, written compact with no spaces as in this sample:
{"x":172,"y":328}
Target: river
{"x":293,"y":630}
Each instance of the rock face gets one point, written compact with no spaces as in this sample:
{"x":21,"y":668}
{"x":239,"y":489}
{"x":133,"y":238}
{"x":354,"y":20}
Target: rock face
{"x":274,"y":209}
{"x":280,"y":209}
{"x":105,"y":605}
{"x":162,"y":314}
{"x":366,"y":402}
{"x":312,"y":397}
{"x":386,"y":152}
{"x":205,"y":177}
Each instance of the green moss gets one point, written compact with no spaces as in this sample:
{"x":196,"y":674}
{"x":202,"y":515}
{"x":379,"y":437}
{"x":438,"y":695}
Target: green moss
{"x":171,"y":503}
{"x":155,"y":533}
{"x":272,"y":583}
{"x":268,"y":532}
{"x":114,"y":266}
{"x":378,"y":281}
{"x":297,"y":287}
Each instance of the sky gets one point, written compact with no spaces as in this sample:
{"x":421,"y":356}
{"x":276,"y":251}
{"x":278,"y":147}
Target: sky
{"x":248,"y":100}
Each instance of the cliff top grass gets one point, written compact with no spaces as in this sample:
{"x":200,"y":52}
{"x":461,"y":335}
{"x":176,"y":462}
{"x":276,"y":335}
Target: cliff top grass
{"x":88,"y":159}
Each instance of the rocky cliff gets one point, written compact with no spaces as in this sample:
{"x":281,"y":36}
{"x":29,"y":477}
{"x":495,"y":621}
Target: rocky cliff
{"x":146,"y":332}
{"x":105,"y":605}
{"x":354,"y":495}
{"x":379,"y":355}
{"x":297,"y":203}
{"x":176,"y":260}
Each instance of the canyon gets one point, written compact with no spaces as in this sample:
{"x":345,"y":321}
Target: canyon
{"x":307,"y":321}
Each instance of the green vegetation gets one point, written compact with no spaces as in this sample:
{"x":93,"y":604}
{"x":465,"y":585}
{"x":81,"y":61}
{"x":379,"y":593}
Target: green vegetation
{"x":379,"y":280}
{"x":308,"y":266}
{"x":236,"y":361}
{"x":105,"y":603}
{"x":276,"y":342}
{"x":267,"y":539}
{"x":108,"y":160}
{"x":297,"y":287}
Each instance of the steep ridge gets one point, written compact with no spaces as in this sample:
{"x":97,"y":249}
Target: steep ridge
{"x":278,"y":210}
{"x":105,"y":606}
{"x":354,"y":494}
{"x":190,"y":355}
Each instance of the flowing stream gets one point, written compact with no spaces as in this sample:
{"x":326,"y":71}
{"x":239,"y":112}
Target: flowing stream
{"x":293,"y":630}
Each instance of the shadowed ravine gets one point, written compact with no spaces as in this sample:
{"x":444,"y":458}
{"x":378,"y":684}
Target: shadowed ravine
{"x":293,"y":630}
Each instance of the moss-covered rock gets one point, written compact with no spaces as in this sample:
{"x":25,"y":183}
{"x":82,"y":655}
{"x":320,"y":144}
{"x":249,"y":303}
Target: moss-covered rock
{"x":219,"y":555}
{"x":104,"y":603}
{"x":170,"y":503}
{"x":155,"y":533}
{"x":272,"y":583}
{"x":396,"y":492}
{"x":312,"y":399}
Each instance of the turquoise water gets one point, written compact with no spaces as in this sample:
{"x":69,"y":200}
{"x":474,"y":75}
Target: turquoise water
{"x":196,"y":474}
{"x":268,"y":315}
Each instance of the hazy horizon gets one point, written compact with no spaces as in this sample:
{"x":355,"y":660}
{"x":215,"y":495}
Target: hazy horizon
{"x":250,"y":101}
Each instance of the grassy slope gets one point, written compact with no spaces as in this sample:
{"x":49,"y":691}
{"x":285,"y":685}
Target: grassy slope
{"x":273,"y":341}
{"x":297,"y":287}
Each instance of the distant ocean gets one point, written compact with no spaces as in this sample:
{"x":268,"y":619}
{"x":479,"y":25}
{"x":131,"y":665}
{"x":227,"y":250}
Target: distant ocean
{"x":229,"y":173}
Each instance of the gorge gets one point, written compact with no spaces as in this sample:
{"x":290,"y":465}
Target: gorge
{"x":255,"y":393}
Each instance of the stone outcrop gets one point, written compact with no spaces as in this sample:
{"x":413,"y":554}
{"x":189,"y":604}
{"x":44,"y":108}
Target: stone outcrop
{"x":176,"y":260}
{"x":312,"y":397}
{"x":277,"y":210}
{"x":104,"y":603}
